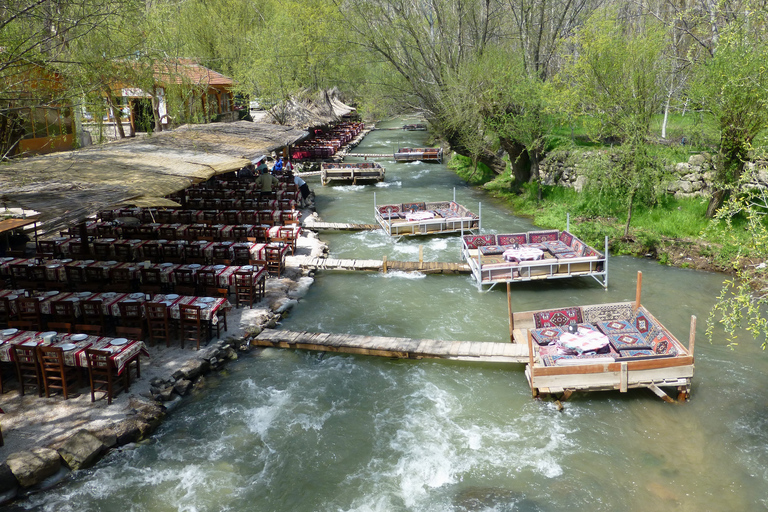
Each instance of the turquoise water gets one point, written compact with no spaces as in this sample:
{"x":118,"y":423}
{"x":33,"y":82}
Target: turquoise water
{"x":283,"y":430}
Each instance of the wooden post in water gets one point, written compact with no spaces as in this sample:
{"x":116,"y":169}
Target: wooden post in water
{"x":530,"y":363}
{"x":511,"y":320}
{"x":384,"y":263}
{"x":692,"y":335}
{"x":639,"y":288}
{"x":421,"y":257}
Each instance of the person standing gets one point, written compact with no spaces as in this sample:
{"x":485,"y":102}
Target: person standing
{"x":303,"y":188}
{"x":278,"y":167}
{"x":265,"y":183}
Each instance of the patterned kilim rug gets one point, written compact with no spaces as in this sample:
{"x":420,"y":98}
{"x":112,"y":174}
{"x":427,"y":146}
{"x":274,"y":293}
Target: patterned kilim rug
{"x":557,"y":318}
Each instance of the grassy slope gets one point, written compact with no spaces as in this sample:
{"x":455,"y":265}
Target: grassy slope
{"x":674,"y":231}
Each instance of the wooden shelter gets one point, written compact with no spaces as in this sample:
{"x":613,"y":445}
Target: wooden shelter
{"x":67,"y":187}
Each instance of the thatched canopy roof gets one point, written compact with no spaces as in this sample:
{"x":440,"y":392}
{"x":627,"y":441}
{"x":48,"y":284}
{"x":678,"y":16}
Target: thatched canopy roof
{"x":323,"y":108}
{"x":70,"y":186}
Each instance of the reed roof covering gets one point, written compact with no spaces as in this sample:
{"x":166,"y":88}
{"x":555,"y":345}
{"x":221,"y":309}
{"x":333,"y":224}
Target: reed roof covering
{"x":70,"y":186}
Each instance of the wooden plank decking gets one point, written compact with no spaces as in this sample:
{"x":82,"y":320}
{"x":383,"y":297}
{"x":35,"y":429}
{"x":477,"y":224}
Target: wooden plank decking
{"x":404,"y":348}
{"x":339,"y":226}
{"x":426,"y":267}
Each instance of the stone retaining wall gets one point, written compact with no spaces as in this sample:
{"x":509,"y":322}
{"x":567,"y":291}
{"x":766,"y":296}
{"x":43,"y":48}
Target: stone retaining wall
{"x":688,"y":179}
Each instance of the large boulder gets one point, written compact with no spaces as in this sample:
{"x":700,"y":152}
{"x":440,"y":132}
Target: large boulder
{"x":33,"y":466}
{"x":81,"y":450}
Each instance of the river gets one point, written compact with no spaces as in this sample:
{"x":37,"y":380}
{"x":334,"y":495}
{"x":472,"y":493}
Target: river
{"x":285,"y":430}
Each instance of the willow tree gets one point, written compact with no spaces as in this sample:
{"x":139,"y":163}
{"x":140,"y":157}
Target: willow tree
{"x":427,"y":44}
{"x":732,"y":88}
{"x":612,"y":81}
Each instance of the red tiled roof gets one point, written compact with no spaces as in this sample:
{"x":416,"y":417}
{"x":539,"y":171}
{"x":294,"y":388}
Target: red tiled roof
{"x":184,"y":70}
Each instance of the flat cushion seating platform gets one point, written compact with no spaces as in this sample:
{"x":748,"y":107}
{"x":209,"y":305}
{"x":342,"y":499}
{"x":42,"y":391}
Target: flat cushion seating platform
{"x":562,"y":253}
{"x":444,"y":210}
{"x":632,"y":335}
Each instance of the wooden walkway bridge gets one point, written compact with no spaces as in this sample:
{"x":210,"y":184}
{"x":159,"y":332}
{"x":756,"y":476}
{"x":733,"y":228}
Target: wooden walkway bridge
{"x":382,"y":265}
{"x":404,"y":348}
{"x":338,"y":226}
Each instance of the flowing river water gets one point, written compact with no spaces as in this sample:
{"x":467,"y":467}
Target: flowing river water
{"x":285,"y":430}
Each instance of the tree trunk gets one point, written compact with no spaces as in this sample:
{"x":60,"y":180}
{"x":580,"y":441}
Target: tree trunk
{"x":156,"y":110}
{"x":116,"y":112}
{"x":520,"y":161}
{"x":666,"y":117}
{"x":716,"y":202}
{"x":492,"y":160}
{"x":631,"y":200}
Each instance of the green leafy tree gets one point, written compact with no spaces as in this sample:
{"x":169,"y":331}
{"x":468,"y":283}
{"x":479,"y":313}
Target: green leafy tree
{"x":732,"y":88}
{"x":743,"y":301}
{"x":612,"y":82}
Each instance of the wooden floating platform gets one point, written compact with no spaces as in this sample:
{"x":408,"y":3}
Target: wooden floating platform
{"x":339,"y":226}
{"x":370,"y":155}
{"x":404,"y":348}
{"x":425,"y":267}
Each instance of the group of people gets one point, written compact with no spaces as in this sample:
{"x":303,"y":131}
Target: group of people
{"x":266,"y":182}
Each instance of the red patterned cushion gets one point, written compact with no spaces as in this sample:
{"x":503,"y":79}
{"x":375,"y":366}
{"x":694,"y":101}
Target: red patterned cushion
{"x":566,"y":237}
{"x":557,"y":317}
{"x":515,"y":238}
{"x":414,"y":207}
{"x":475,"y":241}
{"x":394,"y":208}
{"x":542,"y":236}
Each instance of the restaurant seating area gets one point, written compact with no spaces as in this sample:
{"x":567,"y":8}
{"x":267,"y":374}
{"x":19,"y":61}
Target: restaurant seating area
{"x":83,"y":307}
{"x":326,"y":144}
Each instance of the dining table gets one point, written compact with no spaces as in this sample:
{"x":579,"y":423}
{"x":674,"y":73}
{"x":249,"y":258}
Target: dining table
{"x":123,"y":351}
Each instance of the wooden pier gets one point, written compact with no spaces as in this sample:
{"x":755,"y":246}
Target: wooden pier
{"x":383,"y":265}
{"x":404,"y":348}
{"x":339,"y":226}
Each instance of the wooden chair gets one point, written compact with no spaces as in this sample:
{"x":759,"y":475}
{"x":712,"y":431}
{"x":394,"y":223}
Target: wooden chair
{"x":210,"y":217}
{"x":185,"y":217}
{"x":221,"y":255}
{"x":20,"y":277}
{"x":194,"y":232}
{"x":241,"y":255}
{"x":231,"y":217}
{"x":103,"y":376}
{"x":131,"y":316}
{"x":184,"y":282}
{"x":102,"y":250}
{"x":29,"y":311}
{"x":193,"y":328}
{"x":97,"y":279}
{"x":47,"y":249}
{"x":93,"y":313}
{"x":38,"y":276}
{"x":211,"y":233}
{"x":56,"y":375}
{"x":239,"y":233}
{"x":89,"y":329}
{"x":146,"y":232}
{"x":168,"y":233}
{"x":120,"y":280}
{"x":76,"y":280}
{"x":150,"y":281}
{"x":245,"y":288}
{"x":266,"y":217}
{"x":123,"y":252}
{"x":63,"y":311}
{"x":173,"y":252}
{"x":193,"y":253}
{"x":158,"y":318}
{"x":60,"y":327}
{"x":153,"y":252}
{"x":208,"y":285}
{"x":132,"y":333}
{"x":27,"y":368}
{"x":6,"y":312}
{"x":274,"y":258}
